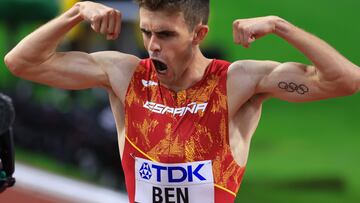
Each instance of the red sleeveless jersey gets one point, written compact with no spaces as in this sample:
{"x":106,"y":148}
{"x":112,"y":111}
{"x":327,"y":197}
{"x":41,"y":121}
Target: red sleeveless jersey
{"x":178,"y":127}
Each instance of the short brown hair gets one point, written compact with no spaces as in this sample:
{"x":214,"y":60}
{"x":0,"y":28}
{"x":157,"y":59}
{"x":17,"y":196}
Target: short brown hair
{"x":195,"y":11}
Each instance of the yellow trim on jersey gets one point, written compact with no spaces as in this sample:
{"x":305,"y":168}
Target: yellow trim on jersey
{"x":226,"y":190}
{"x":147,"y":156}
{"x":137,"y":148}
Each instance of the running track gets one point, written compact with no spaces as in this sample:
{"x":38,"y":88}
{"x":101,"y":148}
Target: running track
{"x":36,"y":186}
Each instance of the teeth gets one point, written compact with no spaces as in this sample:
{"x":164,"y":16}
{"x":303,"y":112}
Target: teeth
{"x":161,"y":71}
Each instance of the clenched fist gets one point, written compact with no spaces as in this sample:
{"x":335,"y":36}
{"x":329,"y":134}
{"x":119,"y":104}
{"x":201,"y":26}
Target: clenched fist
{"x":246,"y":31}
{"x":103,"y":19}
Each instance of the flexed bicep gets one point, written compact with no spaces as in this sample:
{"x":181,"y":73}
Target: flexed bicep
{"x":35,"y":57}
{"x":290,"y":81}
{"x":296,"y":82}
{"x":68,"y":70}
{"x":331,"y":75}
{"x":80,"y":70}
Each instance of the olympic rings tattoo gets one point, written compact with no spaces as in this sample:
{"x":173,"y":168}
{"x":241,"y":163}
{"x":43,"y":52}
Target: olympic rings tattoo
{"x":293,"y":87}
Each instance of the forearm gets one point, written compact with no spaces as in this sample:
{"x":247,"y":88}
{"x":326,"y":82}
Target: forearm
{"x":330,"y":64}
{"x":38,"y":46}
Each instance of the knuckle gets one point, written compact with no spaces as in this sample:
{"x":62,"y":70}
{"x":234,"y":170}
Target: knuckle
{"x":246,"y":31}
{"x":110,"y":11}
{"x":103,"y":14}
{"x":238,"y":23}
{"x":243,"y":28}
{"x":96,"y":18}
{"x":235,"y":23}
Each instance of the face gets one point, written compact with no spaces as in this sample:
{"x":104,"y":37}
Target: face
{"x":169,"y":43}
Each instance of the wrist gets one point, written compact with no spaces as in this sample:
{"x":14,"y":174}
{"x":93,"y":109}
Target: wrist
{"x":281,"y":26}
{"x":73,"y":15}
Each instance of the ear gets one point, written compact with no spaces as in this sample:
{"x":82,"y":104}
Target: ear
{"x":200,"y":32}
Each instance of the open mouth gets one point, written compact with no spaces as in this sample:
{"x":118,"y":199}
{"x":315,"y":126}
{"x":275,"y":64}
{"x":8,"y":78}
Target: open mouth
{"x":160,"y":66}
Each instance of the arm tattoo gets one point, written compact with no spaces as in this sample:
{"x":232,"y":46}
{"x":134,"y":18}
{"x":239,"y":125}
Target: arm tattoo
{"x":294,"y":88}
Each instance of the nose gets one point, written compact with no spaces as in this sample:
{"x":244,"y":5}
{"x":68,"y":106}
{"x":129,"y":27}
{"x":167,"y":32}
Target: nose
{"x":154,"y":45}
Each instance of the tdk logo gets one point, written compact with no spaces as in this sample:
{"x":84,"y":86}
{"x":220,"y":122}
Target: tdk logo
{"x":173,"y":182}
{"x":145,"y":171}
{"x":173,"y":174}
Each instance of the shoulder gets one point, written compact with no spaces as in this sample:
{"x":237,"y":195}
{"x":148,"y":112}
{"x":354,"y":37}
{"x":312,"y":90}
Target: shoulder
{"x":243,"y":77}
{"x":218,"y":67}
{"x":251,"y":67}
{"x":116,"y":59}
{"x":119,"y":68}
{"x":250,"y":71}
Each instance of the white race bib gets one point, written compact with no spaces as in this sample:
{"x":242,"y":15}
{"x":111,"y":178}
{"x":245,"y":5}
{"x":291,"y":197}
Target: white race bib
{"x":173,"y":183}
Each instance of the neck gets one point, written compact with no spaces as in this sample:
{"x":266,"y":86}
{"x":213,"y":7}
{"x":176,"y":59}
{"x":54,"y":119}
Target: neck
{"x":193,"y":73}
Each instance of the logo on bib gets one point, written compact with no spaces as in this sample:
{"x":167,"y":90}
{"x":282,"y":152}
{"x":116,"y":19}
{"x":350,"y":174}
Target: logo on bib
{"x":145,"y":171}
{"x":190,"y":182}
{"x":149,"y":83}
{"x":174,"y":174}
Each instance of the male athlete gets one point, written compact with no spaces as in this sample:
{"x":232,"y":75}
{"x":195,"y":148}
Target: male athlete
{"x":184,"y":121}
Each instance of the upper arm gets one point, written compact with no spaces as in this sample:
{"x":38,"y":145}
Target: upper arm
{"x":297,"y":82}
{"x":69,"y":70}
{"x":79,"y":70}
{"x":289,"y":81}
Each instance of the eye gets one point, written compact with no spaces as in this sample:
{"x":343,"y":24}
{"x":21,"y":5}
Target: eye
{"x":146,"y":32}
{"x":165,"y":34}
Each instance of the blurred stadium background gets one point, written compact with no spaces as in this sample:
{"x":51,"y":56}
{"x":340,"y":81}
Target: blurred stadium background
{"x":304,"y":152}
